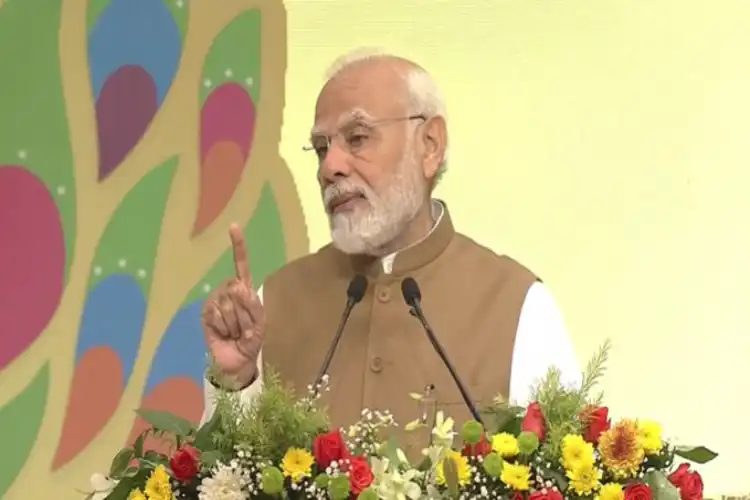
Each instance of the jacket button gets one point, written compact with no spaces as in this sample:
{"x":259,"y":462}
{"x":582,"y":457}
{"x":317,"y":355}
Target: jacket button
{"x":384,"y":294}
{"x":376,"y":364}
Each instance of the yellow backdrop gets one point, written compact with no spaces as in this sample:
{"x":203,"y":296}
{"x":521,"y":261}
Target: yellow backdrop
{"x":601,"y":142}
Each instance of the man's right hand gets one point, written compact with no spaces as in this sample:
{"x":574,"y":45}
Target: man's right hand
{"x":234,"y":320}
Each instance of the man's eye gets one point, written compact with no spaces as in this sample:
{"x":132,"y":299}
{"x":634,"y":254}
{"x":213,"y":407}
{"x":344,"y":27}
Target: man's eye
{"x":356,"y":140}
{"x":320,"y":147}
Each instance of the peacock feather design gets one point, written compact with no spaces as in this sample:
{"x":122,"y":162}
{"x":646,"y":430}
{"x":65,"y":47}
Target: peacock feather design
{"x":132,"y":133}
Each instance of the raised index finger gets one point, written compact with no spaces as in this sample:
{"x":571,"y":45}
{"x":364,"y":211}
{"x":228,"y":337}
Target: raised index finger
{"x":239,"y":250}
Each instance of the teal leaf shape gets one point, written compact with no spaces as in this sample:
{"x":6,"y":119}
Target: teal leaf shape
{"x":24,"y":416}
{"x":178,"y":8}
{"x":130,"y":241}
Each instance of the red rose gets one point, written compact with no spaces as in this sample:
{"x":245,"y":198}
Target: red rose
{"x":481,"y":449}
{"x":638,"y":491}
{"x":595,"y":421}
{"x":184,"y":463}
{"x":533,"y":421}
{"x":517,"y":495}
{"x":360,"y":474}
{"x":688,"y":482}
{"x":329,"y":447}
{"x":546,"y":494}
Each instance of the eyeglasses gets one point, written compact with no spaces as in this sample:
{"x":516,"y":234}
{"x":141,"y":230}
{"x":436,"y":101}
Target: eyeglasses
{"x":358,"y":138}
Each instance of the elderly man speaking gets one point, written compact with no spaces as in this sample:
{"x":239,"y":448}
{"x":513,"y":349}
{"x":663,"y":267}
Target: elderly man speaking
{"x":380,"y":141}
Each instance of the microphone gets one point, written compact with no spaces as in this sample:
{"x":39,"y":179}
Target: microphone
{"x":413,"y":298}
{"x":354,"y":294}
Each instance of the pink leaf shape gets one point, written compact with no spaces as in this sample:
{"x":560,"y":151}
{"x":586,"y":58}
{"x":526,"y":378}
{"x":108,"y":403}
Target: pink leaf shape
{"x":227,"y":128}
{"x":32,"y":260}
{"x":125,"y":108}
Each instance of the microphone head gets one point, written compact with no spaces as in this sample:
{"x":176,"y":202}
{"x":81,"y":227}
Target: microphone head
{"x":357,"y":288}
{"x":410,"y":290}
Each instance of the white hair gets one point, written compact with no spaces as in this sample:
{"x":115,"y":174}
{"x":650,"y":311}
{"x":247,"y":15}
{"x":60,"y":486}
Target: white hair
{"x":424,"y":97}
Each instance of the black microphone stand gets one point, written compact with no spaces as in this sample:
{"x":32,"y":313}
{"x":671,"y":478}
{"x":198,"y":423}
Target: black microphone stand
{"x":412,"y":299}
{"x":334,"y":345}
{"x":355,"y":293}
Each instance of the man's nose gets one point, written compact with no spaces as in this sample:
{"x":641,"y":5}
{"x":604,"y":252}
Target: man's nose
{"x":335,"y":165}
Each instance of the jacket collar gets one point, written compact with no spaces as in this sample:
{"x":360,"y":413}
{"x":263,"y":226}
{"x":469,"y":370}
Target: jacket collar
{"x":415,"y":256}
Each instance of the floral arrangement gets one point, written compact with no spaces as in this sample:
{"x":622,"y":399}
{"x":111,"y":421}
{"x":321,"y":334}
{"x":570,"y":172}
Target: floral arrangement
{"x":563,"y":445}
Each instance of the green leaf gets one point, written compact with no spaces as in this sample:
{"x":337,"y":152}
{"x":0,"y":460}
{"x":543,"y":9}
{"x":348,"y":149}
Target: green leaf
{"x":153,"y":458}
{"x":129,"y":242}
{"x":166,"y":422}
{"x":244,"y":30}
{"x":138,"y":444}
{"x":209,"y":458}
{"x":204,"y":437}
{"x":120,"y":463}
{"x":131,"y":471}
{"x":425,"y":465}
{"x":127,"y":484}
{"x":660,"y":486}
{"x":696,"y":454}
{"x":24,"y":416}
{"x":339,"y":488}
{"x":512,"y":426}
{"x":501,"y":417}
{"x":450,"y":471}
{"x":557,"y":477}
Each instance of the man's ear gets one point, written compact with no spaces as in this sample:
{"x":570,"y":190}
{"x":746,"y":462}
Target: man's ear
{"x":434,"y":142}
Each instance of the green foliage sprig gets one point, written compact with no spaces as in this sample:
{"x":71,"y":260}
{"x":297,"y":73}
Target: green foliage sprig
{"x":276,"y":420}
{"x":561,"y":405}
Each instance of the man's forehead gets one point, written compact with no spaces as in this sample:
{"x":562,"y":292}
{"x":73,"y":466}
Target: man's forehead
{"x":353,"y":115}
{"x":359,"y":95}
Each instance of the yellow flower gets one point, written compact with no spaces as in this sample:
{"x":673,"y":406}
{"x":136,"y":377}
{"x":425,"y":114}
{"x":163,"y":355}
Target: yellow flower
{"x":650,"y":434}
{"x":611,"y":491}
{"x":584,"y":479}
{"x":462,"y":467}
{"x":157,"y":486}
{"x":506,"y":445}
{"x":576,"y":452}
{"x":621,"y":449}
{"x":136,"y":494}
{"x":297,"y":463}
{"x":516,"y":476}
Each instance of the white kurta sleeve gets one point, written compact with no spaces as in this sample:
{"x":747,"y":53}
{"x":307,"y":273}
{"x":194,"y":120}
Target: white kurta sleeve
{"x":247,"y":395}
{"x":542,"y":341}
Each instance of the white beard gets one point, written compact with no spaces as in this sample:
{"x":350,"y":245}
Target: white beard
{"x":367,"y":230}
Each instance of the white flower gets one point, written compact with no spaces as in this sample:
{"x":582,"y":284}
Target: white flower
{"x":392,"y":484}
{"x":402,"y":456}
{"x":227,"y":483}
{"x":443,"y":430}
{"x":414,"y":425}
{"x":101,"y":486}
